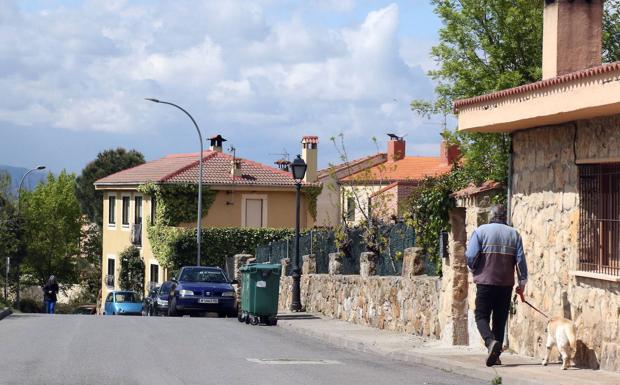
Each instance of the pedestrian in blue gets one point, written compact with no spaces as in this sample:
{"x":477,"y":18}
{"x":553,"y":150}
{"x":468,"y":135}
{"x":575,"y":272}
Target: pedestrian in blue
{"x":493,"y":252}
{"x":50,"y":291}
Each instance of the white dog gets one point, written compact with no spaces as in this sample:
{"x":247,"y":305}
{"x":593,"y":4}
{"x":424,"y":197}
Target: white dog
{"x":561,"y":333}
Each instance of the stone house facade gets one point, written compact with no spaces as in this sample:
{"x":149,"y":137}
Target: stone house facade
{"x":564,"y":187}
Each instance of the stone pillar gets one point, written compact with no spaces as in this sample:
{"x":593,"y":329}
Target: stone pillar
{"x":240,"y":260}
{"x":454,"y":308}
{"x":413,"y":262}
{"x":335,"y":263}
{"x":309,"y":264}
{"x":368,"y":264}
{"x":285,"y":262}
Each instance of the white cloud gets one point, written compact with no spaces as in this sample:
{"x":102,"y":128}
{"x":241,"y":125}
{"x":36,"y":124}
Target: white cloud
{"x":88,"y":68}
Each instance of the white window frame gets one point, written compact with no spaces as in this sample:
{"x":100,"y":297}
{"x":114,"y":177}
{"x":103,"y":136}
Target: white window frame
{"x":263,"y":197}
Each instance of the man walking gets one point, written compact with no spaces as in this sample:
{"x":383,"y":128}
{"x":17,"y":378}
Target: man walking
{"x":493,"y":252}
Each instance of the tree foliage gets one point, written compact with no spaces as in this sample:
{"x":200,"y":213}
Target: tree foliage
{"x":107,"y":162}
{"x":51,"y":232}
{"x":89,"y":263}
{"x":131,"y":274}
{"x":611,"y":31}
{"x":428,"y":209}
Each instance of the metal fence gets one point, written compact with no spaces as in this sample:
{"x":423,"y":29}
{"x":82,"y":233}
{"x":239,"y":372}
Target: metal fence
{"x":322,"y":242}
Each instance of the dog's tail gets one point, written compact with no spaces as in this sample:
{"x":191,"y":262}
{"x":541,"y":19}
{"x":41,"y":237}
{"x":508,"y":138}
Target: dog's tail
{"x":572,"y":338}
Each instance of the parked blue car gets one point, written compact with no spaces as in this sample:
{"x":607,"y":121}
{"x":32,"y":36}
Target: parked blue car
{"x":200,"y":289}
{"x":123,"y":303}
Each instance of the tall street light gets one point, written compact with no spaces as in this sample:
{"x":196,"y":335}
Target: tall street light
{"x":21,"y":246}
{"x":199,"y":216}
{"x":298,"y":168}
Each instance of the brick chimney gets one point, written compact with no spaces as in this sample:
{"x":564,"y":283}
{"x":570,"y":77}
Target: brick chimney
{"x":235,"y":168}
{"x":396,"y":148}
{"x":449,"y":153}
{"x":572,"y":36}
{"x":309,"y":153}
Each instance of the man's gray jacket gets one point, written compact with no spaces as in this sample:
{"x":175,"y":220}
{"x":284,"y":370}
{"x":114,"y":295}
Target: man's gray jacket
{"x":492,"y":253}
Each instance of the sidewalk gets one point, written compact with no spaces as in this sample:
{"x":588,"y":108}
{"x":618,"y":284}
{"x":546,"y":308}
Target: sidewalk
{"x":516,"y":370}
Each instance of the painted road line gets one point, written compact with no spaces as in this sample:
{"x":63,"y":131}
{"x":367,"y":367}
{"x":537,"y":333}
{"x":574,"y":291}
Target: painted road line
{"x":288,"y":361}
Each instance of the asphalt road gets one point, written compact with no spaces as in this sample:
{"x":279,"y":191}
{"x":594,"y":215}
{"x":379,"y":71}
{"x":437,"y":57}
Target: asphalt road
{"x":66,"y":349}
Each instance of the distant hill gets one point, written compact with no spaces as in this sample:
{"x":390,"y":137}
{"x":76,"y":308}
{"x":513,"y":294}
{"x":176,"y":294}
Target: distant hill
{"x":16,"y":174}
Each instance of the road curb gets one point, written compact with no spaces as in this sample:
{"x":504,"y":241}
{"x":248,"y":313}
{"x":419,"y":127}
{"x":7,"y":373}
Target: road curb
{"x":5,"y":313}
{"x":414,"y":357}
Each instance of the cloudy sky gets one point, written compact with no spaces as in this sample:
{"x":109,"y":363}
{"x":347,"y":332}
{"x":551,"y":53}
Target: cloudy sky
{"x":73,"y":75}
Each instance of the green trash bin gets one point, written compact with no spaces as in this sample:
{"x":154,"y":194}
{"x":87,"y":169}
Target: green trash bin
{"x":260,"y":288}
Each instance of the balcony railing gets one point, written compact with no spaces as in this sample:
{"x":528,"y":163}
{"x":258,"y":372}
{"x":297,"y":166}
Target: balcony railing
{"x":136,"y":234}
{"x":109,"y":280}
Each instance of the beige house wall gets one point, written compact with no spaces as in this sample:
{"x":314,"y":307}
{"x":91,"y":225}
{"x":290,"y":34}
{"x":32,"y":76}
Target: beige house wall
{"x":328,"y":203}
{"x":361,"y":195}
{"x":545,"y":210}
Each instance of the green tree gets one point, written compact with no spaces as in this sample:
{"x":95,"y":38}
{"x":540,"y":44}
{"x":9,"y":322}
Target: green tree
{"x":51,"y":230}
{"x":107,"y":162}
{"x":131,"y":275}
{"x":611,"y":31}
{"x":89,"y":264}
{"x":8,"y":230}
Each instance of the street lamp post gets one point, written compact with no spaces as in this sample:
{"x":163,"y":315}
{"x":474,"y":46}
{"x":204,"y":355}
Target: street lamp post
{"x":199,"y":216}
{"x":21,"y":246}
{"x":298,"y":168}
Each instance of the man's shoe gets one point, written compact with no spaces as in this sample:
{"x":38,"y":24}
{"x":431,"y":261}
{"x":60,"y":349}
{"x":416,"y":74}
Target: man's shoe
{"x":498,"y":361}
{"x":495,"y":349}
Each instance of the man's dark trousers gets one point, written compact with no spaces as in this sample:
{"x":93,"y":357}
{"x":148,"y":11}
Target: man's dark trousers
{"x":492,"y":302}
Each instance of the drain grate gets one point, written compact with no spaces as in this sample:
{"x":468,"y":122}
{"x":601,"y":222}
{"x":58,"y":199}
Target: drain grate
{"x":288,"y":361}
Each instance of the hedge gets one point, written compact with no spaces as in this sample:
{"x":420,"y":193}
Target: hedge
{"x":216,"y":244}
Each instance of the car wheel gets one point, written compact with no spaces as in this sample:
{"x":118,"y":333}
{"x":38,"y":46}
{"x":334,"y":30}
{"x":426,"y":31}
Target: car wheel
{"x":172,"y":308}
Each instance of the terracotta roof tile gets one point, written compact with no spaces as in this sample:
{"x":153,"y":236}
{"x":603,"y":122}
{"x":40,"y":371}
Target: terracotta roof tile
{"x":408,"y":168}
{"x":538,"y":85}
{"x":184,"y":168}
{"x":472,"y":189}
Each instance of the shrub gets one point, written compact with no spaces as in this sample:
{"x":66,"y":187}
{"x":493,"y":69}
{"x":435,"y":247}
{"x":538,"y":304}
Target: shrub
{"x":29,"y":305}
{"x":179,"y":245}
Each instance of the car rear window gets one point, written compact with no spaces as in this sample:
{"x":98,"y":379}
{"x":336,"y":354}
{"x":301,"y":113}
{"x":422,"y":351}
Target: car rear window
{"x":197,"y":274}
{"x":126,"y":297}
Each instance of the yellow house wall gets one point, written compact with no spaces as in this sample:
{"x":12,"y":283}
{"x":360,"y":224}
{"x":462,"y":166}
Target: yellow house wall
{"x":116,"y":238}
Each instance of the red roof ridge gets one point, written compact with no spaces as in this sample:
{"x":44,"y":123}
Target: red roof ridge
{"x":188,"y":166}
{"x":605,"y":68}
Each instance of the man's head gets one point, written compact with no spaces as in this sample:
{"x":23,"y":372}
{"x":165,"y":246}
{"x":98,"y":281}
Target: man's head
{"x":498,"y":214}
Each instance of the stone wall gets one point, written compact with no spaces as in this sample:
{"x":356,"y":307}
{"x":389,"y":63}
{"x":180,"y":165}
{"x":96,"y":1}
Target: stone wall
{"x":545,"y":206}
{"x":394,"y":303}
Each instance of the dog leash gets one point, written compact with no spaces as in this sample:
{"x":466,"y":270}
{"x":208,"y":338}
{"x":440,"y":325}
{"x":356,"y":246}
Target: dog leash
{"x":532,"y":306}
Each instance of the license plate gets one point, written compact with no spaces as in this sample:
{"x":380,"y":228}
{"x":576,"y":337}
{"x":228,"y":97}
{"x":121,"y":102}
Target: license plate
{"x":207,"y":300}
